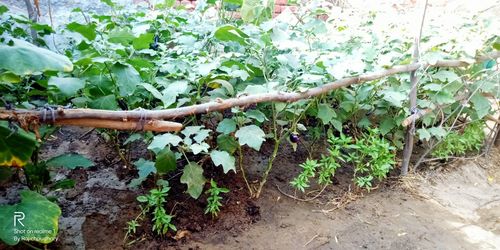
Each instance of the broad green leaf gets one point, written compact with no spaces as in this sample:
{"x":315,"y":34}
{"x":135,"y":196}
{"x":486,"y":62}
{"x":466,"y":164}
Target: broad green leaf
{"x":438,"y":132}
{"x":165,"y":161}
{"x":446,"y":76}
{"x":423,"y":134}
{"x":3,"y":9}
{"x":24,"y":58}
{"x":193,"y":177}
{"x":227,"y":143}
{"x":33,"y":219}
{"x":122,"y":36}
{"x":256,"y":115}
{"x":394,"y":97}
{"x":251,"y":135}
{"x":160,"y":141}
{"x":226,"y":126}
{"x":256,"y":11}
{"x":481,"y":105}
{"x":126,"y":77}
{"x":133,"y":138}
{"x":386,"y":125}
{"x":143,"y":41}
{"x":106,"y":102}
{"x":198,"y":148}
{"x":16,"y":148}
{"x":68,"y":86}
{"x":228,"y":33}
{"x":216,"y":83}
{"x":86,"y":30}
{"x":326,"y":113}
{"x":145,"y":169}
{"x":223,"y":158}
{"x":9,"y":77}
{"x":443,"y":97}
{"x":433,"y":87}
{"x":69,"y":161}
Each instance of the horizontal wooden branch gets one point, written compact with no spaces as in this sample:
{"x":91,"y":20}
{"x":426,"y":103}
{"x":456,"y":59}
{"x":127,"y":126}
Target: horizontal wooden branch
{"x":151,"y":125}
{"x":167,"y":114}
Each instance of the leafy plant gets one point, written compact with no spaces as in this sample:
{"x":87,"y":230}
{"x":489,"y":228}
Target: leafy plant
{"x":458,"y":143}
{"x":214,"y":198}
{"x":372,"y":157}
{"x":301,"y":182}
{"x":154,"y":203}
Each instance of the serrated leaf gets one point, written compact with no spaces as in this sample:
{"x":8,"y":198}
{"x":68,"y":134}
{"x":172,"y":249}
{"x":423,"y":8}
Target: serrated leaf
{"x":69,"y":161}
{"x":34,"y":217}
{"x":226,"y":126}
{"x":423,"y":134}
{"x":145,"y":169}
{"x":326,"y":113}
{"x":160,"y":141}
{"x":165,"y":161}
{"x":23,"y":58}
{"x":198,"y":148}
{"x":16,"y":148}
{"x":438,"y":132}
{"x":251,"y":135}
{"x":224,"y":159}
{"x":68,"y":86}
{"x":193,"y":177}
{"x":227,"y":143}
{"x":481,"y":105}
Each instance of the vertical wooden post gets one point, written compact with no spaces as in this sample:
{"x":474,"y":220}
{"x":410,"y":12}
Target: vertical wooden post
{"x":33,"y":15}
{"x":410,"y":131}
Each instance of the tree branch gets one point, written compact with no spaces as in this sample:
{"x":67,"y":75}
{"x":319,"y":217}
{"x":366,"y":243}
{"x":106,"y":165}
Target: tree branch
{"x":131,"y":115}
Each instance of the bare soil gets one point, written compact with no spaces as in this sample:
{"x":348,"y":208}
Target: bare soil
{"x":452,"y":207}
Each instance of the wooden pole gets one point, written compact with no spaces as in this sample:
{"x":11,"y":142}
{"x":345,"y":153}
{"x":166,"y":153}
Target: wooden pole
{"x":410,"y":131}
{"x":170,"y":114}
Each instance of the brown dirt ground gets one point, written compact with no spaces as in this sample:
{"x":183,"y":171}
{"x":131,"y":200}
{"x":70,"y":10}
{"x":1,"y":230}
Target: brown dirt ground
{"x":452,"y":207}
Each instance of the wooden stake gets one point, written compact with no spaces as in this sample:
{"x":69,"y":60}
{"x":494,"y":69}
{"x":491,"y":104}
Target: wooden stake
{"x":410,"y":131}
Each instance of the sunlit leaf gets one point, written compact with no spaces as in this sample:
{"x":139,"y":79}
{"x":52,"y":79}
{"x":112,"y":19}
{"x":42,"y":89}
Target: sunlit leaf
{"x":193,"y":177}
{"x":23,"y":58}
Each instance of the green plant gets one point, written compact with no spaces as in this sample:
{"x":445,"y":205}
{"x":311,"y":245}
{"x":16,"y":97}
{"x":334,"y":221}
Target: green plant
{"x":214,"y":198}
{"x":371,"y":155}
{"x":373,"y":158}
{"x":301,"y":182}
{"x":154,"y":203}
{"x":458,"y":143}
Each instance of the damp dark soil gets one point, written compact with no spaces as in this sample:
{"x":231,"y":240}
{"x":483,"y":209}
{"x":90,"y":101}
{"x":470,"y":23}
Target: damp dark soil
{"x":451,"y":207}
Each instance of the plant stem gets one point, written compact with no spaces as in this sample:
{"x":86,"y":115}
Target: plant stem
{"x":269,"y":166}
{"x":240,"y":162}
{"x":277,"y":140}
